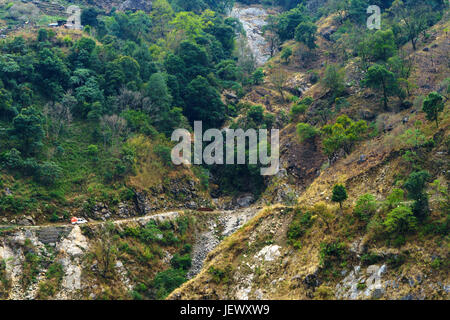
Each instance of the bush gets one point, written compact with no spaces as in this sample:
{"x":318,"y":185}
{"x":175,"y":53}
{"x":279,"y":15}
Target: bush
{"x":258,"y":76}
{"x":331,"y":252}
{"x":12,"y":159}
{"x":306,"y":132}
{"x":92,"y":150}
{"x":370,"y":258}
{"x":164,"y":153}
{"x":167,"y":281}
{"x":416,"y":183}
{"x":313,"y":77}
{"x":298,"y":109}
{"x":219,"y":275}
{"x":299,"y":225}
{"x":181,"y":261}
{"x":48,"y":173}
{"x":339,"y":194}
{"x":365,"y":207}
{"x":4,"y":281}
{"x":30,"y":167}
{"x":187,"y":248}
{"x":333,"y":80}
{"x":361,"y":286}
{"x":400,"y":221}
{"x":394,"y":198}
{"x":286,"y":54}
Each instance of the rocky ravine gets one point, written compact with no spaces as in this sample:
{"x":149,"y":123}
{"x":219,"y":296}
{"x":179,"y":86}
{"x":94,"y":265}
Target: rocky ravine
{"x":225,"y":225}
{"x":253,"y":20}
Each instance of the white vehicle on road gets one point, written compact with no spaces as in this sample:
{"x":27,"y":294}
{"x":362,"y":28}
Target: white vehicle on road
{"x":76,"y":221}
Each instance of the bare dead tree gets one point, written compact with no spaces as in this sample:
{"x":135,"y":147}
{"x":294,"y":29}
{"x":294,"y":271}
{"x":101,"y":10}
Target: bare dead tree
{"x":270,"y":33}
{"x":114,"y":126}
{"x":278,"y":79}
{"x":105,"y":251}
{"x":128,"y":99}
{"x":58,"y":117}
{"x":246,"y":58}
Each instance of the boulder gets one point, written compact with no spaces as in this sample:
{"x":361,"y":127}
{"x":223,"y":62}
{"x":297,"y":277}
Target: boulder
{"x":245,"y":200}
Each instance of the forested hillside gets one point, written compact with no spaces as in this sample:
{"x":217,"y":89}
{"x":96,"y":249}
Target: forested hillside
{"x":86,"y":118}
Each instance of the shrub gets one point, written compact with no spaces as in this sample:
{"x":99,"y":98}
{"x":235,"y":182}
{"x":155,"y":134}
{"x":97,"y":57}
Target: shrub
{"x":400,"y":221}
{"x":342,"y":135}
{"x":370,"y":258}
{"x":331,"y":252}
{"x":324,"y":293}
{"x":167,"y":281}
{"x":396,"y":261}
{"x":30,"y":269}
{"x":307,"y":101}
{"x":415,"y":186}
{"x":432,"y":106}
{"x":299,"y":225}
{"x":203,"y":175}
{"x":313,"y":77}
{"x":339,"y":194}
{"x":437,"y":264}
{"x":361,"y":286}
{"x":298,"y":109}
{"x":30,"y":167}
{"x":365,"y":207}
{"x":306,"y":132}
{"x":416,"y":183}
{"x":394,"y":198}
{"x":258,"y":76}
{"x":220,"y":275}
{"x":187,"y":248}
{"x":341,"y":103}
{"x":333,"y":80}
{"x":92,"y":150}
{"x":181,"y":261}
{"x":12,"y":159}
{"x":256,"y":113}
{"x":4,"y":281}
{"x":48,"y":173}
{"x":164,"y":153}
{"x":286,"y":54}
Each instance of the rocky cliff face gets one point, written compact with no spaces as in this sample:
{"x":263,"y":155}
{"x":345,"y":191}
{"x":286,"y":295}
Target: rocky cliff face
{"x":68,"y":262}
{"x":253,"y":19}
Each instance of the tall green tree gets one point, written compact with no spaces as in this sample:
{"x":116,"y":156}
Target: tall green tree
{"x":415,"y":185}
{"x":161,"y":14}
{"x":342,"y":135}
{"x":432,"y":106}
{"x":305,"y":32}
{"x":289,"y":20}
{"x":203,"y":103}
{"x":339,"y":194}
{"x":28,"y":130}
{"x":414,"y":19}
{"x":379,"y":78}
{"x":334,"y":80}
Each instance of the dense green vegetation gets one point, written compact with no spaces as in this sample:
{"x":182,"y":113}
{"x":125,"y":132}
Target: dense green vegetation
{"x":69,"y":104}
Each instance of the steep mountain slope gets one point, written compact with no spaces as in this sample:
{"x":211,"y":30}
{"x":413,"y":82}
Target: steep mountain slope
{"x":314,"y":249}
{"x":283,"y":237}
